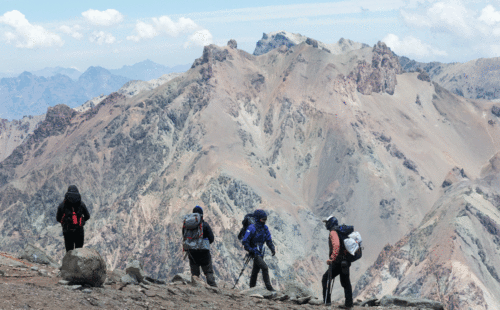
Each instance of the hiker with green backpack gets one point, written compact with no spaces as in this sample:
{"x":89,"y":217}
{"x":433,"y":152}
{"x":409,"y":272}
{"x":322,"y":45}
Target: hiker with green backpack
{"x":340,"y":258}
{"x":196,"y":238}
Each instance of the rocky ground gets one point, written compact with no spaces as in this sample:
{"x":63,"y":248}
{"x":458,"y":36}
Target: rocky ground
{"x":27,"y":285}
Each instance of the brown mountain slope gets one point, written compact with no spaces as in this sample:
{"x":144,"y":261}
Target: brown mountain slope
{"x":286,"y":131}
{"x":452,"y":256}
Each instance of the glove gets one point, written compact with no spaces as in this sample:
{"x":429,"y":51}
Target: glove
{"x":273,"y":252}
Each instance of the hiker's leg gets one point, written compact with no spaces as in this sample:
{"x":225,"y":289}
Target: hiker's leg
{"x":79,"y":237}
{"x":345,"y":281}
{"x":69,"y":241}
{"x":208,"y":270}
{"x":265,"y":272}
{"x":195,"y":268}
{"x":255,"y":272}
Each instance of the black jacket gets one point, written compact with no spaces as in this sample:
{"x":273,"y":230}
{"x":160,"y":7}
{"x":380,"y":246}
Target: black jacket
{"x":72,"y":200}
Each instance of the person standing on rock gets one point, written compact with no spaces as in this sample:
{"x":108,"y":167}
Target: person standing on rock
{"x":197,"y":237}
{"x":256,"y":235}
{"x":72,"y":214}
{"x":337,"y":265}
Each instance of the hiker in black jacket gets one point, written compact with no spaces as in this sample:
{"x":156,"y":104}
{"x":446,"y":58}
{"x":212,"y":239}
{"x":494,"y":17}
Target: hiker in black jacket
{"x":202,"y":257}
{"x":72,"y":214}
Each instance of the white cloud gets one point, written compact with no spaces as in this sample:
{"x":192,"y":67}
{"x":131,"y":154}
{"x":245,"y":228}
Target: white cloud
{"x":445,"y":16}
{"x":72,"y":31}
{"x":101,"y":37}
{"x":199,"y":38}
{"x":144,"y":31}
{"x":173,"y":29}
{"x":26,"y":35}
{"x":489,"y":15}
{"x":164,"y":25}
{"x":411,"y":46}
{"x":103,"y":18}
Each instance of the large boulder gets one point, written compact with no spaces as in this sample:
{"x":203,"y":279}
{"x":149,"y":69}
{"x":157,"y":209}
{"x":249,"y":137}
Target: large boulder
{"x":84,"y":266}
{"x":135,"y":270}
{"x":297,"y":290}
{"x":35,"y":255}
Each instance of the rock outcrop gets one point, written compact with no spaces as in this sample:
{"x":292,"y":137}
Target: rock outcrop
{"x":84,"y":266}
{"x":34,"y":254}
{"x":380,"y":75}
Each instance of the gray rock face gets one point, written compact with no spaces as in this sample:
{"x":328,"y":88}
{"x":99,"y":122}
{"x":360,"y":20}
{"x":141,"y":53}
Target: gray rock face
{"x":135,"y":270}
{"x":380,"y":75}
{"x":277,"y":39}
{"x":232,"y":43}
{"x":495,"y":110}
{"x":35,"y":255}
{"x":388,"y":301}
{"x":84,"y":266}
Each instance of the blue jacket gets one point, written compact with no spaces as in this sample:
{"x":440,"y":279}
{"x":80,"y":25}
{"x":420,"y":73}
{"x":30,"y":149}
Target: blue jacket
{"x":256,"y":235}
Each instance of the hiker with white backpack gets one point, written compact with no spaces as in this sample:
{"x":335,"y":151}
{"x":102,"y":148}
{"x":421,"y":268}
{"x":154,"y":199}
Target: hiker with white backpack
{"x":196,"y":238}
{"x":345,"y":247}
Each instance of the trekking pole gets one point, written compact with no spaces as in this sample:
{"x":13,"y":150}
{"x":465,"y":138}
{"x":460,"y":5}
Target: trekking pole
{"x":247,"y":260}
{"x":329,"y":284}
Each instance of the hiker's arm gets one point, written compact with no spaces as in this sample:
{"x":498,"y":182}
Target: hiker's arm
{"x":246,"y":240}
{"x":59,"y":213}
{"x":269,"y":242}
{"x":334,"y":238}
{"x":86,"y":213}
{"x":208,"y":231}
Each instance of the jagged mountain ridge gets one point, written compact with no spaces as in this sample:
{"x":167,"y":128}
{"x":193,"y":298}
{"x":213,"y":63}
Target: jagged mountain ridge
{"x":475,"y":79}
{"x":276,"y":39}
{"x":287,"y":131}
{"x":453,"y":255}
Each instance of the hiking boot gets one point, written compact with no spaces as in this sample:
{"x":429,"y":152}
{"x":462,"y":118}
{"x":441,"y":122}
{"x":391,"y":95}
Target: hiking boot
{"x":270,"y":288}
{"x":347,"y":305}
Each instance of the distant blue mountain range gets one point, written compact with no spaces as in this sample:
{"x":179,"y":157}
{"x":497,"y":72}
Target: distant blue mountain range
{"x":31,"y":93}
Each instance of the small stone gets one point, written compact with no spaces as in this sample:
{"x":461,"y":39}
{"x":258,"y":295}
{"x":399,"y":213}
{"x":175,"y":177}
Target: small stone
{"x":63,"y":282}
{"x":257,"y":296}
{"x":150,"y":293}
{"x":316,"y":302}
{"x":87,"y":291}
{"x":144,"y":286}
{"x":43,"y":273}
{"x":2,"y":273}
{"x":34,"y":268}
{"x":74,"y":287}
{"x":303,"y":300}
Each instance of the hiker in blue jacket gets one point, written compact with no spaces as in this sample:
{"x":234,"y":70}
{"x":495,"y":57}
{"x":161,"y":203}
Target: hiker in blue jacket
{"x":256,"y":235}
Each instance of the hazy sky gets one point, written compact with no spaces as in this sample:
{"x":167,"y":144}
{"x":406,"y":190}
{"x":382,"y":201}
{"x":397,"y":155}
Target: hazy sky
{"x":39,"y":34}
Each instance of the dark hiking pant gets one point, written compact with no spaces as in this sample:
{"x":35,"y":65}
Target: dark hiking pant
{"x":260,"y":264}
{"x":335,"y":269}
{"x":202,"y":259}
{"x":74,"y":239}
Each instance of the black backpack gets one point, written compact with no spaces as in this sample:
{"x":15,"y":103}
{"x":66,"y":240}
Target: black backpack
{"x":344,"y":231}
{"x":247,"y":221}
